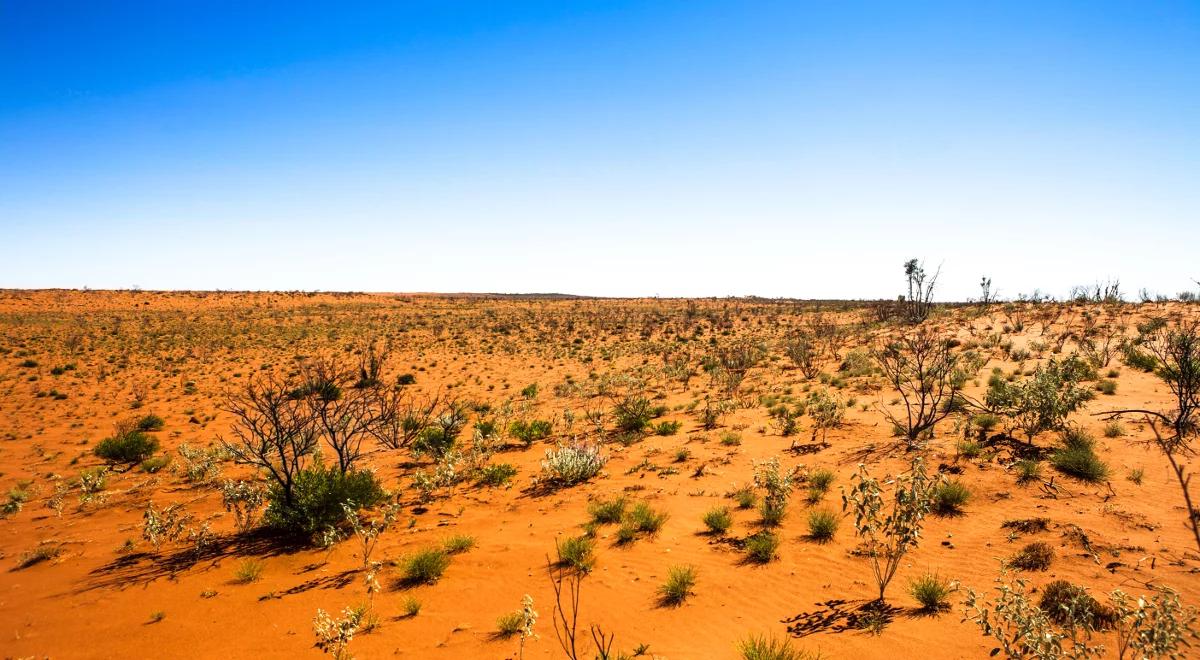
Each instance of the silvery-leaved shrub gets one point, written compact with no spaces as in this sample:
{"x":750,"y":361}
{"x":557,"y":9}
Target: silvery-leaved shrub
{"x":572,"y":464}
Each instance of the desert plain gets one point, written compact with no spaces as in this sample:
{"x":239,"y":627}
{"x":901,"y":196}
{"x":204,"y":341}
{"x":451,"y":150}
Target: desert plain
{"x":677,"y":404}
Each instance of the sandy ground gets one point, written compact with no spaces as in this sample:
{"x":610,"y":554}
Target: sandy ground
{"x":177,"y":354}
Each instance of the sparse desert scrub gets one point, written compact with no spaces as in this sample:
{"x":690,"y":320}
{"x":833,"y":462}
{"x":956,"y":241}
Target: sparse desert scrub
{"x":486,"y":352}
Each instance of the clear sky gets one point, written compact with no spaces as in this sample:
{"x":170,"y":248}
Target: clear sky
{"x":611,"y":148}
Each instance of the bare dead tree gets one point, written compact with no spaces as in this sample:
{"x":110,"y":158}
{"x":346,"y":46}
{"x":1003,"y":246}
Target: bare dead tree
{"x":920,"y":367}
{"x":919,"y":301}
{"x":566,"y":582}
{"x":344,"y":413}
{"x":272,"y":431}
{"x":403,"y":416}
{"x":986,"y":295}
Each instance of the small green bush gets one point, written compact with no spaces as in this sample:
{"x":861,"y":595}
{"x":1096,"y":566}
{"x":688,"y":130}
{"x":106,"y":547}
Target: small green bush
{"x":249,"y":570}
{"x":150,"y":423}
{"x":680,"y":580}
{"x":606,"y":512}
{"x":497,"y":474}
{"x":633,"y":413}
{"x":772,"y":511}
{"x":646,"y":519}
{"x":459,"y":543}
{"x":761,"y":547}
{"x":577,"y":552}
{"x":718,"y":520}
{"x":771,"y":648}
{"x":745,"y":498}
{"x":931,"y":591}
{"x":1077,"y":458}
{"x":426,"y":566}
{"x":949,"y":497}
{"x":667,"y":428}
{"x":155,"y":463}
{"x":1028,"y":470}
{"x":510,"y":624}
{"x":531,"y":431}
{"x":822,"y":525}
{"x":128,"y":447}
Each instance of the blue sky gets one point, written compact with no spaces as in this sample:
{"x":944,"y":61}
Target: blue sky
{"x":612,"y":148}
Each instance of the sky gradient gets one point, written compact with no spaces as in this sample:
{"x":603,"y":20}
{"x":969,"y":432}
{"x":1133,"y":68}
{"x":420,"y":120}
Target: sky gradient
{"x":606,"y":148}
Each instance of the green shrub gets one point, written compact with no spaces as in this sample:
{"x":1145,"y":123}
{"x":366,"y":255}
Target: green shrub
{"x":577,"y":552}
{"x":771,"y":648}
{"x":531,"y":431}
{"x":667,"y":428}
{"x":772,"y":511}
{"x":633,"y":413}
{"x":1077,"y":458}
{"x":1114,"y":429}
{"x":931,"y":591}
{"x":1028,"y":470}
{"x":822,"y":525}
{"x":1140,"y":360}
{"x":497,"y":474}
{"x":985,"y":421}
{"x":718,"y":520}
{"x":150,"y":423}
{"x":645,"y":519}
{"x":969,"y":449}
{"x":761,"y":547}
{"x":510,"y":624}
{"x":605,"y":512}
{"x":249,"y":570}
{"x":128,"y":447}
{"x":411,"y":606}
{"x":317,"y":498}
{"x":949,"y":497}
{"x":426,"y":566}
{"x":459,"y":543}
{"x":155,"y":463}
{"x":745,"y":498}
{"x":680,"y":580}
{"x":819,"y":481}
{"x":1108,"y":387}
